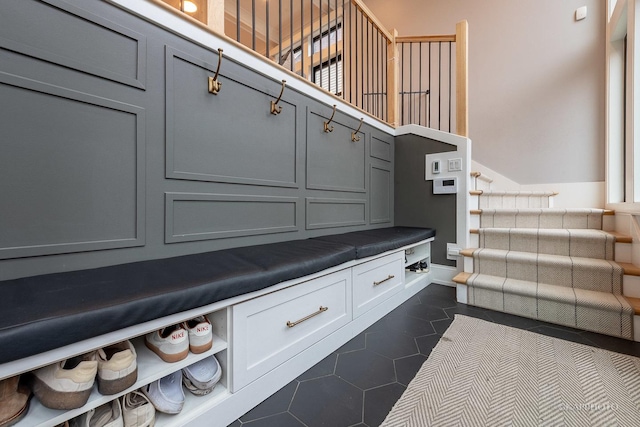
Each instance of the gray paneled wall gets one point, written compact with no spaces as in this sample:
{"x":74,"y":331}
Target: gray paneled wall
{"x":113,"y":150}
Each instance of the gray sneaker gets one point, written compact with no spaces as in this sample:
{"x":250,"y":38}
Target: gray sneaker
{"x":201,"y":377}
{"x":166,"y":394}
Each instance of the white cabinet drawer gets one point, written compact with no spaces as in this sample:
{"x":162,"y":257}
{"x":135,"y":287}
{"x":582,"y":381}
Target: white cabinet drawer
{"x":271,"y":329}
{"x":376,"y":280}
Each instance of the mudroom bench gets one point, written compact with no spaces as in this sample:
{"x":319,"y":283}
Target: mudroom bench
{"x":276,"y":310}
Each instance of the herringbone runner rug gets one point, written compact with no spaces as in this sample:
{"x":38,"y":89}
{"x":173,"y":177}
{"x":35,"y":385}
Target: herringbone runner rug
{"x":485,"y":374}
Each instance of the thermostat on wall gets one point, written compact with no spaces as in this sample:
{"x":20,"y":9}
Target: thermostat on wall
{"x":445,"y":185}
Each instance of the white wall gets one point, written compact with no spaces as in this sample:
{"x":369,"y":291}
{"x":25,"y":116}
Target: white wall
{"x":536,"y":81}
{"x":570,"y":194}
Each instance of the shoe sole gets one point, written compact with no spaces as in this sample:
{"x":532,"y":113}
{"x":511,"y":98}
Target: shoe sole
{"x":54,"y":399}
{"x":197,"y":349}
{"x":107,"y":387}
{"x":17,"y":416}
{"x":169,"y":358}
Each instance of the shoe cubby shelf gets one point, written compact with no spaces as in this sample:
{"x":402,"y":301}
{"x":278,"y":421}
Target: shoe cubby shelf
{"x":417,"y":253}
{"x":412,"y":278}
{"x":150,"y":368}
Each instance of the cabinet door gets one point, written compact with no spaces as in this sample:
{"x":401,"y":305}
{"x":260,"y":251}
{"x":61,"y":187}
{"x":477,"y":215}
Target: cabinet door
{"x":375,"y":281}
{"x":271,"y":329}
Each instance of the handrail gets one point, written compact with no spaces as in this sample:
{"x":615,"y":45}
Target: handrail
{"x":364,"y":9}
{"x":426,"y":39}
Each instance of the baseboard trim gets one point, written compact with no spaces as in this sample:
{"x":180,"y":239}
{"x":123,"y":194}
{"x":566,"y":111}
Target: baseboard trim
{"x":443,"y":274}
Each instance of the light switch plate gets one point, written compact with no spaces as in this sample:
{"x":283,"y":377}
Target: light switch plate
{"x":455,"y":165}
{"x":581,"y":13}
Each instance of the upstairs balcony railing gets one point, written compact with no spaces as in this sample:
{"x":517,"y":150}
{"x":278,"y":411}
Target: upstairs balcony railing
{"x":342,"y":47}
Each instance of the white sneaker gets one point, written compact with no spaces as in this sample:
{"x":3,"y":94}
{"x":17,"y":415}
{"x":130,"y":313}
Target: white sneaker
{"x":137,"y":411}
{"x":200,"y":334}
{"x":107,"y":415}
{"x":66,"y":384}
{"x":170,"y":343}
{"x":117,"y":367}
{"x":166,"y":394}
{"x":201,"y":377}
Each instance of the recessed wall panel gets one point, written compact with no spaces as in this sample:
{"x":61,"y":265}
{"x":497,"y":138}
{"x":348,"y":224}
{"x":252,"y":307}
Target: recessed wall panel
{"x":334,"y":161}
{"x":328,"y":213}
{"x":380,"y":195}
{"x":229,"y":137}
{"x":75,"y":39}
{"x":191,"y":217}
{"x":72,"y":168}
{"x":380,"y":149}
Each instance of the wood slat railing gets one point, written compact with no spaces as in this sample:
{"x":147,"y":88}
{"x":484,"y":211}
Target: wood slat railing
{"x":343,"y":47}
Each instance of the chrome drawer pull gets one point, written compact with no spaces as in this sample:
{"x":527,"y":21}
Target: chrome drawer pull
{"x":391,"y":276}
{"x":292,"y":324}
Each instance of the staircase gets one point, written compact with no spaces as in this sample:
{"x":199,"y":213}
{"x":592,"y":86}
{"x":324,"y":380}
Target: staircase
{"x":555,"y":265}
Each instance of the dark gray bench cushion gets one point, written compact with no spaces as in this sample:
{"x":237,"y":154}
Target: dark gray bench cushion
{"x":41,"y":313}
{"x":372,"y":242}
{"x":44,"y":312}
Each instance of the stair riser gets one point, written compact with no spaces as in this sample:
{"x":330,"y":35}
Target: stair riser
{"x":481,"y":184}
{"x":461,"y":293}
{"x":623,"y":252}
{"x":609,"y":222}
{"x":536,"y":220}
{"x":513,"y":202}
{"x":631,"y":286}
{"x":556,"y":312}
{"x":533,"y":243}
{"x":474,"y":240}
{"x":580,"y":276}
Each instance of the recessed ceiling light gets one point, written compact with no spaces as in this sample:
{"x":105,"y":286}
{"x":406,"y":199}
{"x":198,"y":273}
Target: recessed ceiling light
{"x":189,"y":6}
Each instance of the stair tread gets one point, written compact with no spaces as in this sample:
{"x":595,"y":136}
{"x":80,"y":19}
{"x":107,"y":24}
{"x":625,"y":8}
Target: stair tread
{"x":629,"y":269}
{"x":549,"y":231}
{"x":545,"y":210}
{"x":488,"y":277}
{"x":633,"y":302}
{"x":469,"y":252}
{"x":579,"y":242}
{"x":461,"y":278}
{"x":619,"y":237}
{"x":481,"y":176}
{"x":513,"y":193}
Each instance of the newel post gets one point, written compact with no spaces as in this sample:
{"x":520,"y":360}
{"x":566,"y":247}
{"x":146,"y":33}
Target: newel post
{"x":215,"y":15}
{"x":393,"y":59}
{"x":462,"y":78}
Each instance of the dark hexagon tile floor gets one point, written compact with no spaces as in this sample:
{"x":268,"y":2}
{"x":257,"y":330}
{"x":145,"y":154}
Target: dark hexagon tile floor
{"x":358,"y":384}
{"x":365,"y":369}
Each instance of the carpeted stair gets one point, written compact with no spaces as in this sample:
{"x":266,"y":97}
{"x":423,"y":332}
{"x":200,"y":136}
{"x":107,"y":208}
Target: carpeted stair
{"x":554,"y":265}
